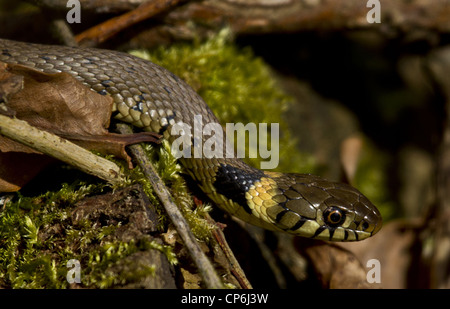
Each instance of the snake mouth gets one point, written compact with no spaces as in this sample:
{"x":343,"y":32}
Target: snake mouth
{"x":377,"y":227}
{"x":330,"y":233}
{"x":365,"y":229}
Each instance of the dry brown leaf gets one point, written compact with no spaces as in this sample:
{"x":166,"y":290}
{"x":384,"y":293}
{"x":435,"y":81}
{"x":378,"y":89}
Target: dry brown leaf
{"x":55,"y":103}
{"x":9,"y":83}
{"x":397,"y":248}
{"x":335,"y":267}
{"x":58,"y":103}
{"x":350,"y":154}
{"x":61,"y":105}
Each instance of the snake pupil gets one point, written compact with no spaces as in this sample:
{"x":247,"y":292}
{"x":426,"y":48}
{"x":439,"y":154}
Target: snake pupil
{"x":333,"y":216}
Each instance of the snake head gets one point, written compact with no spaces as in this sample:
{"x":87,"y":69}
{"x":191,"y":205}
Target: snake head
{"x":311,"y":206}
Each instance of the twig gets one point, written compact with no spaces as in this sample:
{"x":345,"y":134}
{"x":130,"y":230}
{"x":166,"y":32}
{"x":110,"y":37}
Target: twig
{"x":109,"y":28}
{"x":91,"y":6}
{"x":235,"y":266}
{"x":61,"y":149}
{"x":205,"y":267}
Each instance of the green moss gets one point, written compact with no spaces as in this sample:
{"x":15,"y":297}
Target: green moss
{"x":169,"y":170}
{"x":100,"y":270}
{"x":38,"y":239}
{"x":238,"y":86}
{"x":30,"y":257}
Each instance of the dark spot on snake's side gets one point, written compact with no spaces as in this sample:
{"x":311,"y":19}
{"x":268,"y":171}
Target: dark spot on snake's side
{"x":167,"y":89}
{"x":138,"y":107}
{"x":176,"y":78}
{"x":6,"y":52}
{"x":170,"y":117}
{"x":131,"y":70}
{"x":103,"y":92}
{"x":106,"y":83}
{"x":233,"y":182}
{"x":91,"y":60}
{"x":45,"y":58}
{"x":165,"y":127}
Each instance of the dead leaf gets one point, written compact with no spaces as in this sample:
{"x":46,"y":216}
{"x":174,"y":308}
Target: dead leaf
{"x":9,"y":83}
{"x":397,"y":248}
{"x":350,"y":154}
{"x":56,"y":103}
{"x":335,"y":267}
{"x":59,"y":104}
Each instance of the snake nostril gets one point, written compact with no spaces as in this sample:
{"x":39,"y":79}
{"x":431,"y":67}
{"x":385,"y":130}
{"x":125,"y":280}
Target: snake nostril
{"x":365,"y":225}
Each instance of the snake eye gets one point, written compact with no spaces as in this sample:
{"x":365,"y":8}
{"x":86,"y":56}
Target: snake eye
{"x":333,"y":216}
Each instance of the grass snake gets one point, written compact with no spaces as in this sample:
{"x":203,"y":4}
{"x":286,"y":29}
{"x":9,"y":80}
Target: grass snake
{"x":149,"y":96}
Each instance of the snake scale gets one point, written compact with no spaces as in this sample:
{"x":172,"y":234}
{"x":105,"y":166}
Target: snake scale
{"x":149,"y":96}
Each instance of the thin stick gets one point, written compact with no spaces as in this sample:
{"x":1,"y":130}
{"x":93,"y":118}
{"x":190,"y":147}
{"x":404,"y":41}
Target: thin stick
{"x":205,"y":267}
{"x":61,"y":149}
{"x":236,"y":269}
{"x":109,"y":28}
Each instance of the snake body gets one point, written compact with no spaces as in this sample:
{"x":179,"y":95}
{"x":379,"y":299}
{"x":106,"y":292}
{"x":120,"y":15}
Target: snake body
{"x":149,"y":96}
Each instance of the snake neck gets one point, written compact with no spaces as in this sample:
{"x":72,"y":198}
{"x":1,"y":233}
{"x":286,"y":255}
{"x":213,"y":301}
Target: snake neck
{"x":235,"y":187}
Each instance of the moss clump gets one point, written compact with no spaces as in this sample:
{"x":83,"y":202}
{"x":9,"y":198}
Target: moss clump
{"x":103,"y":262}
{"x":39,"y":235}
{"x":30,"y":255}
{"x":238,"y":87}
{"x":169,"y":170}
